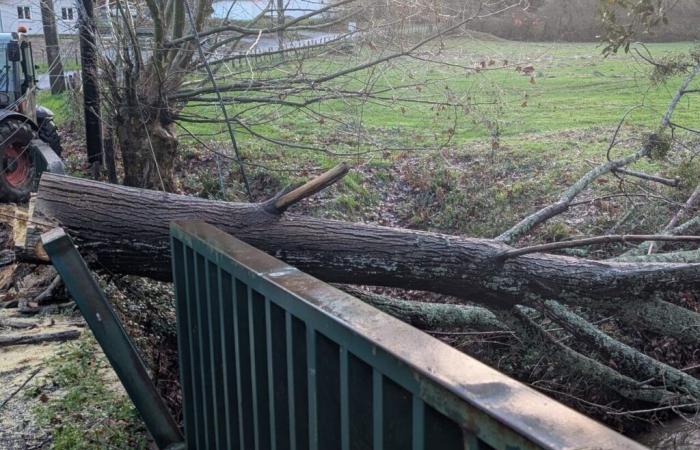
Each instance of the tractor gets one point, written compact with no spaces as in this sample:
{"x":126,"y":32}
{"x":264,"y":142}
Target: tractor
{"x":29,"y":140}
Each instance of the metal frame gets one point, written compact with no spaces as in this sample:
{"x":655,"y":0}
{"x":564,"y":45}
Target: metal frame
{"x":110,"y":334}
{"x":46,"y":160}
{"x":272,"y":358}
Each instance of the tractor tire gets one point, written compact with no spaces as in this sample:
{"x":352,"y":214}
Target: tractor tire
{"x":17,"y":171}
{"x":48,"y":132}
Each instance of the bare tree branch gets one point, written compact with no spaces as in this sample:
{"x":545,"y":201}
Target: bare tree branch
{"x":592,"y":241}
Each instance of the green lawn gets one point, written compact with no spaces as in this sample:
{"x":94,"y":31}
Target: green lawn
{"x":573,"y":87}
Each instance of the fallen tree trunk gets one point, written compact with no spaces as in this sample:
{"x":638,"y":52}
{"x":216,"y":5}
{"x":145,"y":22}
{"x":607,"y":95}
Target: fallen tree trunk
{"x":125,"y":230}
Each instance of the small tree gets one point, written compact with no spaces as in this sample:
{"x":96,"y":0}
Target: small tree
{"x":149,"y":83}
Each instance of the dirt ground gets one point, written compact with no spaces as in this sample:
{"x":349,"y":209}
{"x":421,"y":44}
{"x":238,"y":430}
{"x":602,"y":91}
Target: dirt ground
{"x":21,"y":367}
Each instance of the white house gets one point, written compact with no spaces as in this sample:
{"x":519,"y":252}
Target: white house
{"x":15,"y":13}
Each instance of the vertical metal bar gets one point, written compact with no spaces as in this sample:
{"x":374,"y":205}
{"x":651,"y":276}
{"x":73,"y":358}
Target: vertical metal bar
{"x":226,"y":369}
{"x":311,"y":383}
{"x":110,"y":334}
{"x":194,"y":348}
{"x":212,"y":359}
{"x":308,"y":352}
{"x":184,"y":331}
{"x":270,"y":373}
{"x":377,"y":410}
{"x":253,"y":377}
{"x":290,"y":380}
{"x":237,"y":346}
{"x":202,"y":350}
{"x":418,"y":423}
{"x":344,"y":400}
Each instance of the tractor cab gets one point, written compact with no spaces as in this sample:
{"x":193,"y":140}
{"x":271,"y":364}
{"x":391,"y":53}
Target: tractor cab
{"x":29,"y":140}
{"x":17,"y":75}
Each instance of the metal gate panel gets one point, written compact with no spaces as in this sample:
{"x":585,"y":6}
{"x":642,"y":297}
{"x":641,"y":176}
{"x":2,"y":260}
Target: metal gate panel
{"x":272,"y":358}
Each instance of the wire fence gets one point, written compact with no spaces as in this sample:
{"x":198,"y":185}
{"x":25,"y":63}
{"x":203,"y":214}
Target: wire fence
{"x":70,"y":54}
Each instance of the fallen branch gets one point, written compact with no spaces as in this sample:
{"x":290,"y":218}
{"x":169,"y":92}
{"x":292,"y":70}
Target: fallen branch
{"x":6,"y":257}
{"x":17,"y":324}
{"x":658,"y":316}
{"x":579,"y":365}
{"x":59,"y":336}
{"x":9,"y":303}
{"x":47,"y":294}
{"x":430,"y":316}
{"x":673,"y":223}
{"x":16,"y":391}
{"x":686,"y":227}
{"x":685,"y":256}
{"x":672,"y":182}
{"x":542,"y":248}
{"x":285,"y":199}
{"x":630,"y":360}
{"x":562,"y":205}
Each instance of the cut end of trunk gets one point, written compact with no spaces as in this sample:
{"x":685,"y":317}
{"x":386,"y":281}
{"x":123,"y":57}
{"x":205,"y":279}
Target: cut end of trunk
{"x":27,"y":226}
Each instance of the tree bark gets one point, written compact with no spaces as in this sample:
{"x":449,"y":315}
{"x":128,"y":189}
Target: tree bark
{"x":126,"y":230}
{"x":149,"y":149}
{"x":430,"y":316}
{"x":53,"y":51}
{"x":91,"y":92}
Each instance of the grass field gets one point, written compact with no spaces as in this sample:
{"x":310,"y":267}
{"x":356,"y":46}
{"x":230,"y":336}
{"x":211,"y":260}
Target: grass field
{"x":514,"y":142}
{"x":573,"y":86}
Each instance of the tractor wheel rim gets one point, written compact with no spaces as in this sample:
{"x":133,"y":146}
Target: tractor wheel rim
{"x":16,"y":165}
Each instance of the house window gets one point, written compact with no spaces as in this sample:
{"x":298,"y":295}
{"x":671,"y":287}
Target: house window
{"x":24,"y":12}
{"x":67,"y":13}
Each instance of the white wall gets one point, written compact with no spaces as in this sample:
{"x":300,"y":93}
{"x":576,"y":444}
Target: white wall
{"x":9,"y":20}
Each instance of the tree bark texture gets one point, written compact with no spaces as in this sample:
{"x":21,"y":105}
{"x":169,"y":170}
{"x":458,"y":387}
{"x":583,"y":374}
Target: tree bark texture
{"x":53,"y":51}
{"x":148,"y":147}
{"x":91,"y":91}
